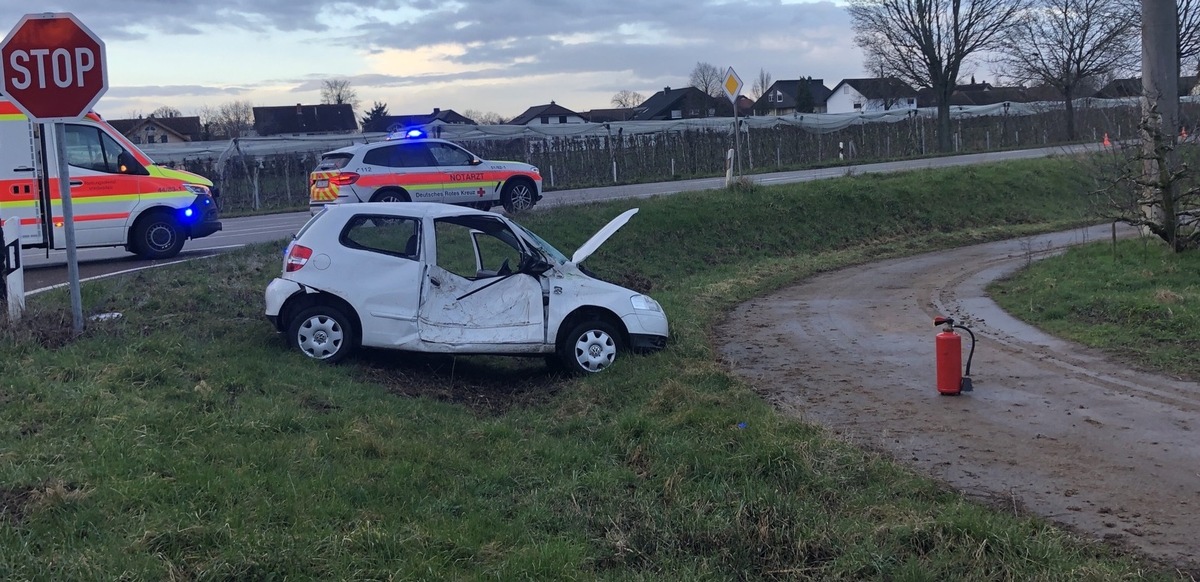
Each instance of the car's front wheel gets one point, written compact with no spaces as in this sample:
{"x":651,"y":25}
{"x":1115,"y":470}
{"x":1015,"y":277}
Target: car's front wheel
{"x":323,"y":332}
{"x":157,"y":236}
{"x":590,"y":347}
{"x":518,"y":196}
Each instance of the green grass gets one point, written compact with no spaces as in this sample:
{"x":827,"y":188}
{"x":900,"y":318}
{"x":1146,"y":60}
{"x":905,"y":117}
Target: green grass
{"x":1138,"y":301}
{"x":185,"y":441}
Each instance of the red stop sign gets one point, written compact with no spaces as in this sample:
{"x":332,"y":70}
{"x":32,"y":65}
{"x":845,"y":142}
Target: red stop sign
{"x":53,"y":67}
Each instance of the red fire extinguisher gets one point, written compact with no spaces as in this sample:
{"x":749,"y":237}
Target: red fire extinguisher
{"x":950,"y":378}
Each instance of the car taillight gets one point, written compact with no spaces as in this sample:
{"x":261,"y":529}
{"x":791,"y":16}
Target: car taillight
{"x":344,"y":179}
{"x":297,"y":258}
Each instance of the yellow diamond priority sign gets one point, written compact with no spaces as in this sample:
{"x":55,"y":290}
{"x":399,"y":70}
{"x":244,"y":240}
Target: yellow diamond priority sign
{"x":732,"y":85}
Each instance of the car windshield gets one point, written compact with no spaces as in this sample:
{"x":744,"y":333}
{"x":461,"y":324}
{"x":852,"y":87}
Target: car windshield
{"x":543,"y":246}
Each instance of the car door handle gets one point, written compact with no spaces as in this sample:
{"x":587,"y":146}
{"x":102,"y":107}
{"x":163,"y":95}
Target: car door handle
{"x":435,"y":282}
{"x":23,"y":169}
{"x":75,"y":183}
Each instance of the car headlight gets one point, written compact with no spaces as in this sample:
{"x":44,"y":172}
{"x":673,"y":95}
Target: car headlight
{"x":197,"y":189}
{"x":644,"y":303}
{"x":534,"y":170}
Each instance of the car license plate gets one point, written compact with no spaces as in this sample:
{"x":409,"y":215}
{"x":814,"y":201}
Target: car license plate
{"x":321,"y":183}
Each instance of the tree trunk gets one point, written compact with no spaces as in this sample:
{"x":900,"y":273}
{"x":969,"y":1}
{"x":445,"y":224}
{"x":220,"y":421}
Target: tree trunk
{"x":945,"y":128}
{"x":1160,"y":118}
{"x":1068,"y":100}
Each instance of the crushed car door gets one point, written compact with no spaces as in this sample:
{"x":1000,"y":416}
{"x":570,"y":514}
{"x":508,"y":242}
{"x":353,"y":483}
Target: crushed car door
{"x":380,"y":274}
{"x":472,"y":294}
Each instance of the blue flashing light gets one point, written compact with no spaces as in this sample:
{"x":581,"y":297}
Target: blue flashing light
{"x":188,"y":213}
{"x":414,"y":133}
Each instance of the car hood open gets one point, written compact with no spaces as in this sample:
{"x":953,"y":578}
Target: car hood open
{"x":602,"y":235}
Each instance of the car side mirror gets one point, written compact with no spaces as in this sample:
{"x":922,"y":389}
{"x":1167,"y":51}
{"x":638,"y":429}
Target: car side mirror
{"x":127,"y":164}
{"x":535,"y":266}
{"x":476,"y":161}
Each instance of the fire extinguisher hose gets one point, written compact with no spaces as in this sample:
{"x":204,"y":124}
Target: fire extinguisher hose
{"x":971,"y":353}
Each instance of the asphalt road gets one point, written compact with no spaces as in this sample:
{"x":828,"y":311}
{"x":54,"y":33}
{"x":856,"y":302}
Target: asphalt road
{"x":45,"y":270}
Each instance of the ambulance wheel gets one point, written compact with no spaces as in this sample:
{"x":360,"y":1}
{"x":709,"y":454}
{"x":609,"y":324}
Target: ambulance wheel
{"x":390,"y":196}
{"x":157,"y":236}
{"x":322,"y":332}
{"x":518,"y":196}
{"x":590,"y":347}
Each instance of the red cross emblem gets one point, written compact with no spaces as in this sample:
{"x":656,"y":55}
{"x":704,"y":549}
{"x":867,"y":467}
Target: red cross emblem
{"x":480,"y":192}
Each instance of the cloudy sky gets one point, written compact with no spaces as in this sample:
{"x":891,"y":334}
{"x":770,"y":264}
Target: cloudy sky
{"x":499,"y":56}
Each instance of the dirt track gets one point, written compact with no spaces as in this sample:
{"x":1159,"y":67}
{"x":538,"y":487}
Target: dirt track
{"x":1051,"y":426}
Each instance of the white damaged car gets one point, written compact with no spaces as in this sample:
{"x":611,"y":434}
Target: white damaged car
{"x":439,"y":278}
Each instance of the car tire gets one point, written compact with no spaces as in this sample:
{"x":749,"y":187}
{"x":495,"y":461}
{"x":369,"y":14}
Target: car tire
{"x":390,"y":196}
{"x":591,"y":346}
{"x":323,"y":332}
{"x":157,"y":235}
{"x":518,"y":196}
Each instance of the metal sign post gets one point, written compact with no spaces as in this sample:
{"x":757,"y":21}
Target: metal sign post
{"x":64,"y":189}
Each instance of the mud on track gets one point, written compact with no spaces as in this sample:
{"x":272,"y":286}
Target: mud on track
{"x":1051,"y":426}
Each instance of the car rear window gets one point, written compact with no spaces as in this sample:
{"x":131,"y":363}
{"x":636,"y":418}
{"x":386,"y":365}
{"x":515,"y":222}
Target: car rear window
{"x":333,"y":162}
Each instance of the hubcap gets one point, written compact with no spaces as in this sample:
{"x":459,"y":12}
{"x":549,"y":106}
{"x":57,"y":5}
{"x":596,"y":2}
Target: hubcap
{"x":595,"y":350}
{"x":320,"y":337}
{"x":160,"y":236}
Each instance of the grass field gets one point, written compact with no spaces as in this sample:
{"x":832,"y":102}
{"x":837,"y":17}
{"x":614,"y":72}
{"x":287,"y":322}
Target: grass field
{"x":1137,"y":300}
{"x":184,"y":441}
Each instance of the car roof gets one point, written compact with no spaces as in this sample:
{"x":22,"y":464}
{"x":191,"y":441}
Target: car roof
{"x":352,"y":148}
{"x":432,"y":210}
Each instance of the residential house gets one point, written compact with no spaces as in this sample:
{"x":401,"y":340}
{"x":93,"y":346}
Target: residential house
{"x":305,"y":120}
{"x":159,"y":129}
{"x":745,"y":106}
{"x":389,"y":123}
{"x":871,"y":95}
{"x":550,"y":114}
{"x":1132,"y":87}
{"x":686,"y":103}
{"x":786,"y":97}
{"x":985,"y":93}
{"x":608,"y":115}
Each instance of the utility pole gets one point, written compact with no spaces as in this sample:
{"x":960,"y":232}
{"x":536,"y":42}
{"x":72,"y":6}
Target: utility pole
{"x":1160,"y":111}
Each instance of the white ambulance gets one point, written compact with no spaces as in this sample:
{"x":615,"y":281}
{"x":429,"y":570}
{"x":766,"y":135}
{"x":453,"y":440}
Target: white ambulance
{"x":119,"y":196}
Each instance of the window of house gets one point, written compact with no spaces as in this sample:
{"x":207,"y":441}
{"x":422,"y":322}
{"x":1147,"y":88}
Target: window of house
{"x":846,"y":90}
{"x":562,"y":118}
{"x":163,"y":139}
{"x":911,"y":101}
{"x":858,"y":105}
{"x":545,"y":120}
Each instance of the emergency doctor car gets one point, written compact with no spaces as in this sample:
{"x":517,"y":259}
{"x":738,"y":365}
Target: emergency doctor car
{"x":410,"y":167}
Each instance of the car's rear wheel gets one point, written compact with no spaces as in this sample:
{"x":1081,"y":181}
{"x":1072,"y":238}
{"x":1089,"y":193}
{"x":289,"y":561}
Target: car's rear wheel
{"x":590,"y":347}
{"x":390,"y":196}
{"x":157,"y":236}
{"x":518,"y":196}
{"x":323,"y":332}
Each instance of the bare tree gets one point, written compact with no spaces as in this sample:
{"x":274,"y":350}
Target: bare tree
{"x":484,"y":118}
{"x":626,"y":99}
{"x":1187,"y":16}
{"x":338,"y":92}
{"x":706,"y":77}
{"x":166,"y":111}
{"x":926,"y":42}
{"x":228,"y":120}
{"x":761,"y":84}
{"x":1064,"y":43}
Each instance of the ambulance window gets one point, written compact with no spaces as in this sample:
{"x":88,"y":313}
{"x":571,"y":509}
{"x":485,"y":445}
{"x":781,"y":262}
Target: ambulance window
{"x":92,"y":149}
{"x":448,"y":155}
